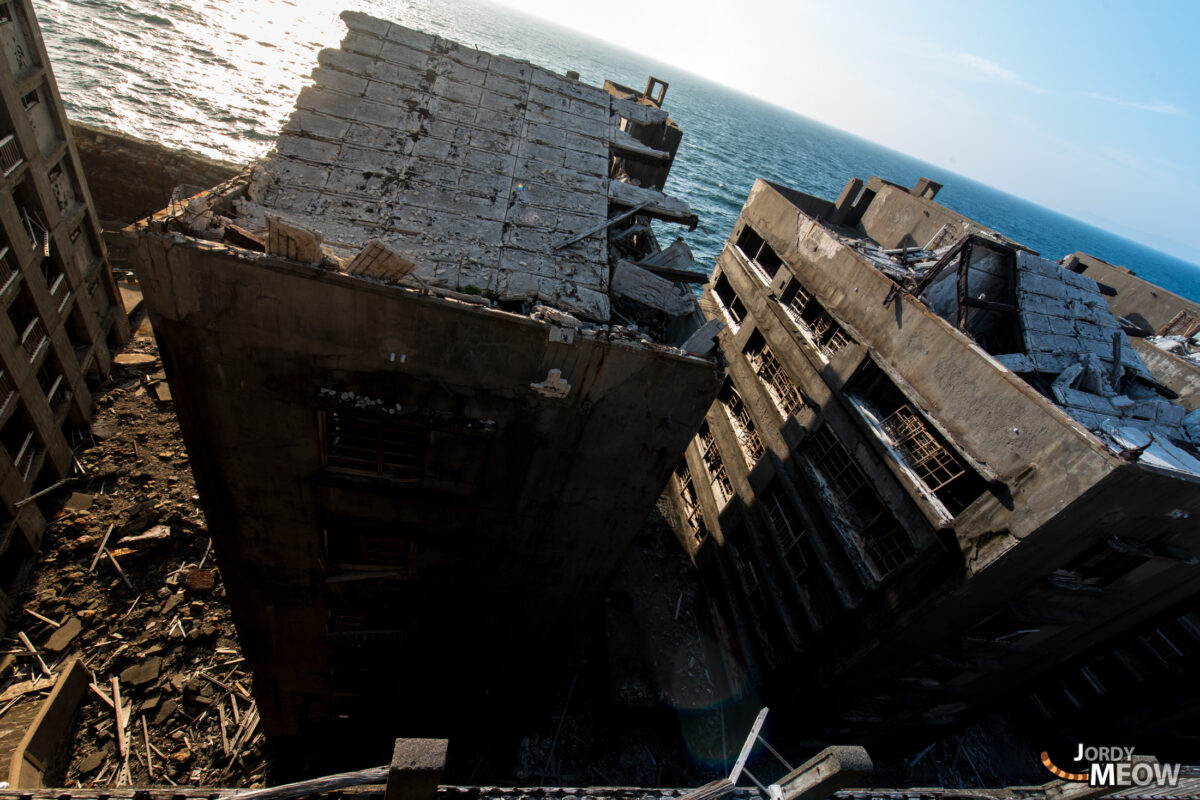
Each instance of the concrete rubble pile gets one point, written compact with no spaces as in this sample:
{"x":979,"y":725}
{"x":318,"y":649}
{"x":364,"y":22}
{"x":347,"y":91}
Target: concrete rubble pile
{"x":1186,"y":347}
{"x":128,"y":585}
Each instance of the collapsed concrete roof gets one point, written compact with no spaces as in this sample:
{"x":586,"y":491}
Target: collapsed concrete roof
{"x":484,"y":172}
{"x":1054,"y":327}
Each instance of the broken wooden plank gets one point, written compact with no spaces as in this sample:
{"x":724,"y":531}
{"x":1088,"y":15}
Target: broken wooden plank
{"x":375,"y":775}
{"x":747,"y":746}
{"x":103,"y":544}
{"x":120,"y":571}
{"x":122,"y":742}
{"x":29,"y":646}
{"x":46,"y":620}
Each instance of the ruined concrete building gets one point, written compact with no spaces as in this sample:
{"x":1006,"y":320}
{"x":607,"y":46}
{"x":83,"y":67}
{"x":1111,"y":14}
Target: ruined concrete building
{"x":428,"y":371}
{"x":937,"y":472}
{"x":63,"y":314}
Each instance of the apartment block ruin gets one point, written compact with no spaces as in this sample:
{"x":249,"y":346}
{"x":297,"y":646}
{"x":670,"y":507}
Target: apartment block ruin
{"x":938,"y":470}
{"x":429,"y":372}
{"x":63,"y":315}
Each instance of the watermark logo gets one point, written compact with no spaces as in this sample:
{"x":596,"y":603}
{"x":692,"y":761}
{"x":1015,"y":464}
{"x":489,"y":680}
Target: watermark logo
{"x":1114,"y":766}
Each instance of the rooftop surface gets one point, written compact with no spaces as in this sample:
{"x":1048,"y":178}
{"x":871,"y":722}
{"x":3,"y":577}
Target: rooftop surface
{"x":478,"y":168}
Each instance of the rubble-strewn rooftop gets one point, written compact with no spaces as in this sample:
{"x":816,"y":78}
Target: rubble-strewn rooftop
{"x":1054,"y":327}
{"x":486,"y":173}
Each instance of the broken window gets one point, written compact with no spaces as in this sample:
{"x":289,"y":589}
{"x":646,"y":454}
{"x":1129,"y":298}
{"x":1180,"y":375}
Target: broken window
{"x":1105,"y":563}
{"x":729,"y":300}
{"x":883,"y":540}
{"x":779,"y":384}
{"x":711,"y":454}
{"x":799,"y":556}
{"x":743,"y":425}
{"x":822,"y":329}
{"x":691,"y":503}
{"x":30,"y":100}
{"x":759,"y":253}
{"x":378,"y":446}
{"x":5,"y":13}
{"x":919,"y":445}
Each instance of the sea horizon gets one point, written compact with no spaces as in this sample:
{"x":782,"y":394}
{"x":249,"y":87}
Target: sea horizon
{"x":230,"y":92}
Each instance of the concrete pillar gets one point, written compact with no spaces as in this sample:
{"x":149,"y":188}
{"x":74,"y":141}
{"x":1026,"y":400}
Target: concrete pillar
{"x":828,"y":771}
{"x":416,"y":769}
{"x":845,"y":202}
{"x":927,"y":188}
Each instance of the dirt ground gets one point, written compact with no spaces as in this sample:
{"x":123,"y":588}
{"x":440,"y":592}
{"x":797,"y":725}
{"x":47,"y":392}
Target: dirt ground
{"x":127,"y":582}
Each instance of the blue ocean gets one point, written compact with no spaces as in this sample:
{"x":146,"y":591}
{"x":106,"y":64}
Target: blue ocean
{"x":220,"y":78}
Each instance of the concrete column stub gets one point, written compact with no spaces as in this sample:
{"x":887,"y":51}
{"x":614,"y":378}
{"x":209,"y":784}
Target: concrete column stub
{"x":416,"y":769}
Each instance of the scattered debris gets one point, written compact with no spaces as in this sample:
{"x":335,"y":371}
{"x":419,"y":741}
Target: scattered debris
{"x":128,"y":584}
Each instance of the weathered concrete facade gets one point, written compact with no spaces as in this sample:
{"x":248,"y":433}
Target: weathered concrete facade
{"x":63,"y":314}
{"x":405,"y":459}
{"x":919,"y":491}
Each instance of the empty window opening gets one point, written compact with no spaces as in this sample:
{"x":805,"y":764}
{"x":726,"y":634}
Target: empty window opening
{"x":715,"y":464}
{"x":1168,"y":647}
{"x":779,"y":384}
{"x":824,"y":331}
{"x":377,"y":446}
{"x":376,"y":548}
{"x":729,"y":300}
{"x":5,"y":13}
{"x":798,"y":555}
{"x":749,"y":242}
{"x":743,"y":425}
{"x":999,"y":628}
{"x":883,"y":540}
{"x":759,"y":252}
{"x":30,"y":100}
{"x":7,"y":272}
{"x":22,"y":444}
{"x":919,"y":445}
{"x":23,"y":315}
{"x":691,"y":503}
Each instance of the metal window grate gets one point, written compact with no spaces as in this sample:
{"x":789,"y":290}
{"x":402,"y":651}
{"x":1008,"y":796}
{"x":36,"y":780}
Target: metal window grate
{"x":883,"y":540}
{"x":743,"y":425}
{"x":715,"y":464}
{"x":829,"y":336}
{"x":367,"y":445}
{"x":935,"y":465}
{"x":780,"y":384}
{"x":691,"y":502}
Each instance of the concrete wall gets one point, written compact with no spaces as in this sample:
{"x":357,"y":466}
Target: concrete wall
{"x":531,"y":520}
{"x":1137,"y":299}
{"x":109,"y":159}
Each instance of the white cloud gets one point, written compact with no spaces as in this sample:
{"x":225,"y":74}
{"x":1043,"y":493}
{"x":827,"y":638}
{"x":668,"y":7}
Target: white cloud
{"x":987,"y":69}
{"x":1156,"y":107}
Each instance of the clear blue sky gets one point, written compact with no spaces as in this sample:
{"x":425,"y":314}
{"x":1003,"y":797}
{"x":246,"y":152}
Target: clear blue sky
{"x":1090,"y":108}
